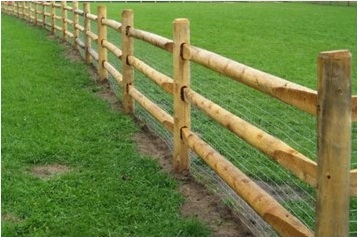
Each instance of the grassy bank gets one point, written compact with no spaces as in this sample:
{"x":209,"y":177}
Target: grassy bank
{"x":100,"y":185}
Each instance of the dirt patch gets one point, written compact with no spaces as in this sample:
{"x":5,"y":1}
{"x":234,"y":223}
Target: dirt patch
{"x":199,"y":202}
{"x":49,"y":171}
{"x":8,"y":217}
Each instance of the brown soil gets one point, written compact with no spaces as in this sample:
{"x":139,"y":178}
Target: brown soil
{"x":48,"y":171}
{"x":8,"y":217}
{"x":199,"y":202}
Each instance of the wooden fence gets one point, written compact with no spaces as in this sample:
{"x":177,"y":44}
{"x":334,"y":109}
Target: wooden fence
{"x":332,"y":104}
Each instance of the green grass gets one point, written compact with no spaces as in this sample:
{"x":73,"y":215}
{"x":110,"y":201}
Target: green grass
{"x":50,"y":115}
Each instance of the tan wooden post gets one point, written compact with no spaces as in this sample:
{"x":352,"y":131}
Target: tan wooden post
{"x":102,"y":51}
{"x":21,"y":9}
{"x":334,"y":143}
{"x":75,"y":22}
{"x":35,"y":13}
{"x":53,"y":20}
{"x":30,"y":10}
{"x":43,"y":14}
{"x":87,"y":28}
{"x":182,"y":109}
{"x":127,"y":49}
{"x":64,"y":20}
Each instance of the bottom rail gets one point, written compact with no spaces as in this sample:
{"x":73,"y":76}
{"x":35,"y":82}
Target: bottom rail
{"x":164,"y":118}
{"x":265,"y":205}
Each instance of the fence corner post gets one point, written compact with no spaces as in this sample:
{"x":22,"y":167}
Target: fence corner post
{"x":334,"y":143}
{"x":127,"y":50}
{"x":102,"y":51}
{"x":182,"y":109}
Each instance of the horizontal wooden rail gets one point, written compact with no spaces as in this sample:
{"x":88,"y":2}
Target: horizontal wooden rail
{"x":93,"y":53}
{"x":115,"y":73}
{"x":56,"y":5}
{"x":79,"y":27}
{"x":156,"y":40}
{"x":265,"y":205}
{"x":92,"y":35}
{"x":299,"y":96}
{"x":47,"y":14}
{"x":68,"y":21}
{"x":79,"y":12}
{"x":58,"y":17}
{"x":165,"y":82}
{"x":112,"y":23}
{"x":48,"y":24}
{"x":303,"y":167}
{"x":58,"y":28}
{"x":80,"y":43}
{"x":162,"y":116}
{"x":68,"y":8}
{"x":114,"y":49}
{"x":91,"y":16}
{"x":46,"y":4}
{"x":69,"y":34}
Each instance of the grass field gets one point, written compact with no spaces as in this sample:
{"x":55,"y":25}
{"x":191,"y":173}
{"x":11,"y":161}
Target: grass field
{"x":282,"y":39}
{"x":51,"y":117}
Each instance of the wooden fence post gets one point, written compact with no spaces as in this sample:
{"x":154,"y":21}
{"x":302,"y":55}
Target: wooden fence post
{"x":75,"y":22}
{"x":87,"y":28}
{"x":64,"y":20}
{"x":44,"y":14}
{"x":102,"y":51}
{"x":182,"y":109}
{"x":35,"y":13}
{"x":334,"y":143}
{"x":53,"y":20}
{"x":127,"y":49}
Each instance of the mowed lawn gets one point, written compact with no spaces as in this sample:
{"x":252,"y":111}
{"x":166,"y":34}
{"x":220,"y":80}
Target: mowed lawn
{"x":52,"y":121}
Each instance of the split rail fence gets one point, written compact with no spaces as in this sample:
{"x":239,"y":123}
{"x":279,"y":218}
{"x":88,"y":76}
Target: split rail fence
{"x":333,"y":105}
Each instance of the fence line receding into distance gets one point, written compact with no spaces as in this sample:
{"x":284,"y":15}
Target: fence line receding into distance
{"x":334,"y":107}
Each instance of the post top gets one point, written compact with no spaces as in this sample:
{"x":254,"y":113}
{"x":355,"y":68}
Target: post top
{"x":336,"y":54}
{"x":181,"y":21}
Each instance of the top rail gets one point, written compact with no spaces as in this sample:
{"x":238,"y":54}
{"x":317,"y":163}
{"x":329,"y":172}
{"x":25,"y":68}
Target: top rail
{"x":156,"y":40}
{"x":112,"y":23}
{"x":286,"y":91}
{"x":91,"y":16}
